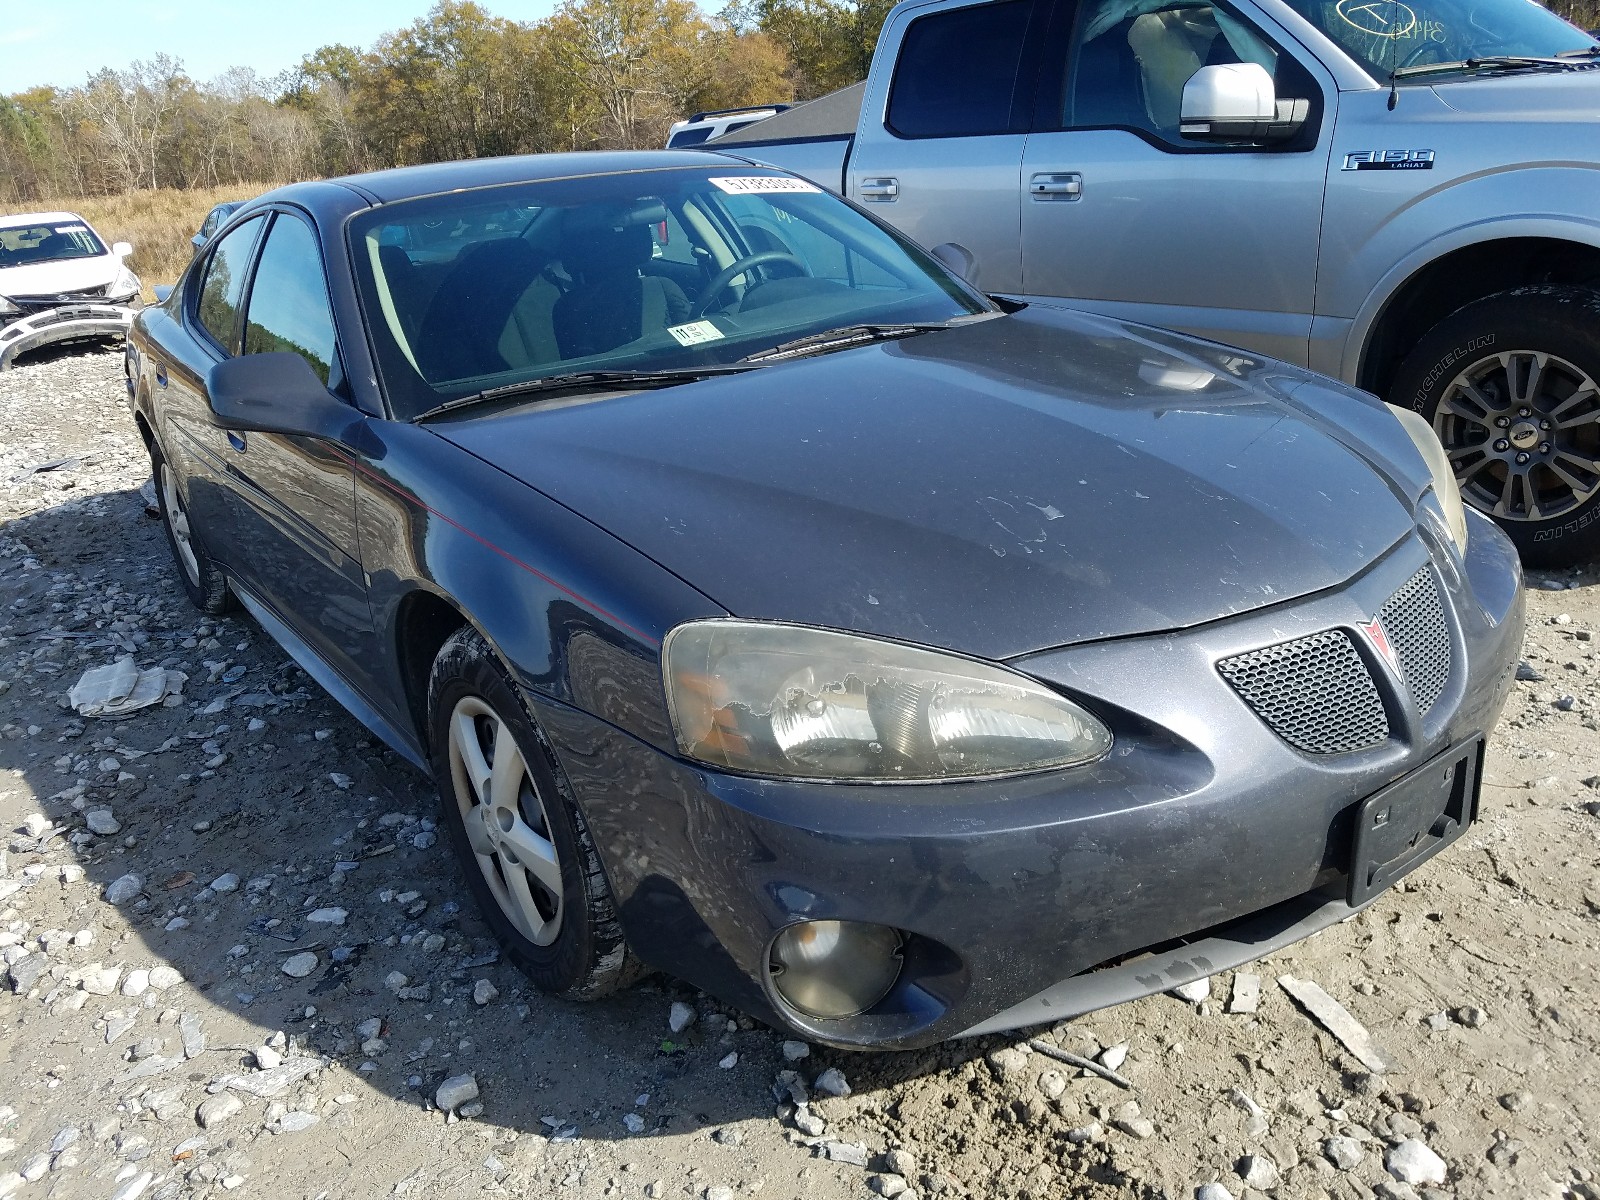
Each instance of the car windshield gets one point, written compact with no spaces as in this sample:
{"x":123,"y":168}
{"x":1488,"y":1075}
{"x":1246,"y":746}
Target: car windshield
{"x":640,"y":271}
{"x":1390,"y":35}
{"x":25,"y":245}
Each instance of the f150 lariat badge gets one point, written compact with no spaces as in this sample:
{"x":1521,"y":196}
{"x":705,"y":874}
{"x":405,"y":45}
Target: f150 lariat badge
{"x":1388,"y":160}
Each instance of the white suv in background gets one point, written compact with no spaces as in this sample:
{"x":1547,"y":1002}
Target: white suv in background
{"x":704,"y":126}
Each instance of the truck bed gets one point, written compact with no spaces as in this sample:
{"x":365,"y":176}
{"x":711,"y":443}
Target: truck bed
{"x":811,"y":139}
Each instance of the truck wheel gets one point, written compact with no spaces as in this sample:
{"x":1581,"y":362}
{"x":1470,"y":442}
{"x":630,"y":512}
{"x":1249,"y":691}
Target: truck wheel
{"x":1509,"y":385}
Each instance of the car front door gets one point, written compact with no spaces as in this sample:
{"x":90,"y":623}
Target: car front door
{"x":944,"y":162}
{"x":293,"y":497}
{"x":1123,"y":214}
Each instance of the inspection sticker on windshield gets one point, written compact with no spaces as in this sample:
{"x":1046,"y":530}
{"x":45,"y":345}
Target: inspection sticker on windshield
{"x":695,"y":332}
{"x":755,"y":185}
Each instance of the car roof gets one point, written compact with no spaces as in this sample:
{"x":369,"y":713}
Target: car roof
{"x":15,"y":220}
{"x":405,"y":183}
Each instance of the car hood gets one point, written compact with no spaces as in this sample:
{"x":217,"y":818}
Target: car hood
{"x":1571,"y":96}
{"x":68,"y":275}
{"x":1015,"y":484}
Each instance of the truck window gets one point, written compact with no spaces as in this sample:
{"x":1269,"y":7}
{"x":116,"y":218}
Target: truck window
{"x":958,"y":72}
{"x":1129,"y":60}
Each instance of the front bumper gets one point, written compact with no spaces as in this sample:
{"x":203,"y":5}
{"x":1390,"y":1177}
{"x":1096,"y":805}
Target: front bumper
{"x":1203,"y":836}
{"x":69,"y":323}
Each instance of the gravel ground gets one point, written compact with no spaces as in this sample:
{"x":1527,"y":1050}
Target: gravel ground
{"x":239,"y":959}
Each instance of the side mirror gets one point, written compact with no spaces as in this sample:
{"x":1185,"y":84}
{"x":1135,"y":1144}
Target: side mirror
{"x":958,"y":260}
{"x":1237,"y":102}
{"x":122,"y":249}
{"x":276,"y":393}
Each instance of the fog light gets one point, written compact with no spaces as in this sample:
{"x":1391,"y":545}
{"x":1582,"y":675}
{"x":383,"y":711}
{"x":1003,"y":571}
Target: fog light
{"x":833,"y":969}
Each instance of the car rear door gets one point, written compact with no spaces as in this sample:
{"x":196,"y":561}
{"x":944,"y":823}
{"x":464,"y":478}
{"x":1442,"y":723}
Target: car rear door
{"x":939,"y":151}
{"x":292,"y":496}
{"x":1124,"y":215}
{"x":207,"y":331}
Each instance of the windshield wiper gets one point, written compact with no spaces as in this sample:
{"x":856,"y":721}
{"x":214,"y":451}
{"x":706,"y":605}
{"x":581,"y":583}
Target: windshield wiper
{"x":1586,"y":52}
{"x":597,"y":381}
{"x":845,"y":335}
{"x":1493,"y":62}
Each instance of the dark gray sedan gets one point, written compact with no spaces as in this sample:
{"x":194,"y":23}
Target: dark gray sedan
{"x":775,"y":610}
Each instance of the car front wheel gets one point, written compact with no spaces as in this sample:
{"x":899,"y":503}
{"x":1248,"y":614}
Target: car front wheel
{"x":527,"y":852}
{"x":1511,"y":384}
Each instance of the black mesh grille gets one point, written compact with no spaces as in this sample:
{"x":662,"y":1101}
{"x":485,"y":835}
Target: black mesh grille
{"x":1314,"y":692}
{"x":1414,"y":620}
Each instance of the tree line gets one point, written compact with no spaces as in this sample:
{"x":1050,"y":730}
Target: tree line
{"x":457,"y":83}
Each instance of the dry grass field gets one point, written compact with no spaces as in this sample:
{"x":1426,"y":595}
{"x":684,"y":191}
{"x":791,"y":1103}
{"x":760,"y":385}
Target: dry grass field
{"x":158,"y":223}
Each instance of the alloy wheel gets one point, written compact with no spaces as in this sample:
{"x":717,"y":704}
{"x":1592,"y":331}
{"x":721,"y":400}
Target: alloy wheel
{"x":505,"y":820}
{"x":178,"y":522}
{"x":1522,"y":430}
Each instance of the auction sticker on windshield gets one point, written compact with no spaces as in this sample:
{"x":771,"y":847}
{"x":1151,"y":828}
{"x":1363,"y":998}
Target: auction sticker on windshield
{"x":695,"y":332}
{"x":756,"y":185}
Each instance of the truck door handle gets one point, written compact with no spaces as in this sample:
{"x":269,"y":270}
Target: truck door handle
{"x":1064,"y":186}
{"x":879,"y":189}
{"x":237,"y":440}
{"x":161,"y":375}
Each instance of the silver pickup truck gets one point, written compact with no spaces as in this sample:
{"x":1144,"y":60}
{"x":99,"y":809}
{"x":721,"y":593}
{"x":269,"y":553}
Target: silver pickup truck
{"x":1404,"y":194}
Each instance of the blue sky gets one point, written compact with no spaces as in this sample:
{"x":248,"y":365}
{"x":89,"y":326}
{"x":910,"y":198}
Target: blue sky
{"x":60,"y":42}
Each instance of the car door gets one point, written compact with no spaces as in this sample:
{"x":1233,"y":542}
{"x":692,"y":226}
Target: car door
{"x":207,"y":330}
{"x":293,"y":497}
{"x":1124,"y":215}
{"x":943,"y":163}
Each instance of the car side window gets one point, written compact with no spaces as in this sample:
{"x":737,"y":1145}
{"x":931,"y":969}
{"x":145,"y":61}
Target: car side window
{"x":959,"y":71}
{"x":289,"y":307}
{"x":217,"y":308}
{"x":1129,"y":60}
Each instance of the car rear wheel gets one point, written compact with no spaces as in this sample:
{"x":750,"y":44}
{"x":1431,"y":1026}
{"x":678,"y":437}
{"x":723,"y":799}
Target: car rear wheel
{"x":529,"y":857}
{"x":1509,"y":384}
{"x":203,"y":581}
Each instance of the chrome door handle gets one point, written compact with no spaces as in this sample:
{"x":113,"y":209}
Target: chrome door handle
{"x":161,"y":375}
{"x":879,"y":189}
{"x":1063,"y":186}
{"x":237,"y":440}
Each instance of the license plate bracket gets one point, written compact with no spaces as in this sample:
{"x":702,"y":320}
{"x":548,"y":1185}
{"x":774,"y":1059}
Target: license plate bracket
{"x":1400,"y":827}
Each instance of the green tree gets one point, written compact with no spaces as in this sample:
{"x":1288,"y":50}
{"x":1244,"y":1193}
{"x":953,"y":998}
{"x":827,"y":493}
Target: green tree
{"x":829,"y":42}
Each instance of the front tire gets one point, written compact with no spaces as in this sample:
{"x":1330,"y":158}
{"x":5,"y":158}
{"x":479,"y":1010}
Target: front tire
{"x":202,"y":579}
{"x":1511,"y":384}
{"x":529,"y":857}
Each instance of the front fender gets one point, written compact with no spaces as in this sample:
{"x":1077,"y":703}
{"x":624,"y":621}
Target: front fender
{"x":1577,"y":230}
{"x":577,"y":615}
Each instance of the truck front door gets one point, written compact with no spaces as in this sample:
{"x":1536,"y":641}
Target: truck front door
{"x":1124,"y":215}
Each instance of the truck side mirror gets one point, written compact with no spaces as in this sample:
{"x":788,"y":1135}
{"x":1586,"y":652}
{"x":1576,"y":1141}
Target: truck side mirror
{"x":1237,"y":102}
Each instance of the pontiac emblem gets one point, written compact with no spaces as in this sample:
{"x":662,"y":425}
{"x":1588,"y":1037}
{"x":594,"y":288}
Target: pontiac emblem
{"x":1380,"y":642}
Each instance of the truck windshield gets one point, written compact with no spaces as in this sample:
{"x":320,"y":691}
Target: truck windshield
{"x":1389,"y":35}
{"x":644,"y":271}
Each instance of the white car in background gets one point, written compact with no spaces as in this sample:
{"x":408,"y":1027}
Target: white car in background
{"x":59,"y":283}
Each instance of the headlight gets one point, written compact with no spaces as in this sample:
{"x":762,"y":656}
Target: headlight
{"x":795,"y":702}
{"x":1444,"y":479}
{"x":124,"y":287}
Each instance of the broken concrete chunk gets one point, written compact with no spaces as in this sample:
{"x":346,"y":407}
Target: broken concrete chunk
{"x":1336,"y":1019}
